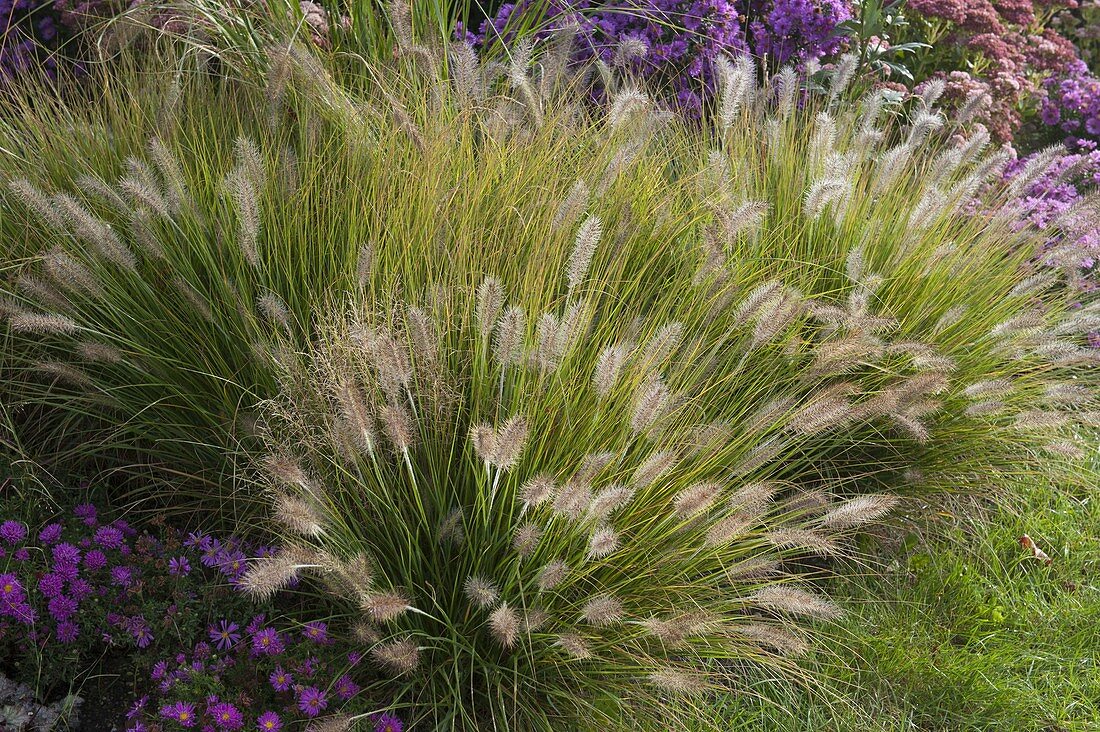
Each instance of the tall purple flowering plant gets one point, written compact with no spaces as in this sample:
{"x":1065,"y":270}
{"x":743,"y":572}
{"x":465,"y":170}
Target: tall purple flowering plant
{"x":673,"y":44}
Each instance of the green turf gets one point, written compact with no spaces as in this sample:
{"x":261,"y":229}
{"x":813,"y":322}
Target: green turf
{"x":969,"y":631}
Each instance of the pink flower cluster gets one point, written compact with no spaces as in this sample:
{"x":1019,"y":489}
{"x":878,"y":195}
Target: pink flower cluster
{"x":993,"y":48}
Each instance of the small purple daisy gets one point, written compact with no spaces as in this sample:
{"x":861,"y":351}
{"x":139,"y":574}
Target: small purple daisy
{"x":346,"y":688}
{"x":312,"y":701}
{"x":67,"y":631}
{"x":65,"y":555}
{"x":280,"y":679}
{"x":388,"y":723}
{"x":95,"y":559}
{"x":226,"y":716}
{"x":50,"y":534}
{"x":13,"y":532}
{"x":316,"y":631}
{"x":85,"y":512}
{"x":62,"y":607}
{"x":225,"y":635}
{"x":182,"y":712}
{"x":51,"y":584}
{"x":122,"y":576}
{"x":267,"y":642}
{"x":269,"y":722}
{"x":108,"y":537}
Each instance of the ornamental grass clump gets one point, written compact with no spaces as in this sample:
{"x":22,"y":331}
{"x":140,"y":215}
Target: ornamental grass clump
{"x":575,"y":478}
{"x":540,"y":512}
{"x":556,"y":539}
{"x":559,"y":402}
{"x":173,"y":268}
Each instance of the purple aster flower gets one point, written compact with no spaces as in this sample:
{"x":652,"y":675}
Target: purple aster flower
{"x":21,"y":554}
{"x":225,"y":635}
{"x":309,"y":666}
{"x":79,"y":589}
{"x":137,"y":726}
{"x":267,"y":642}
{"x":21,"y":611}
{"x":269,"y":722}
{"x":194,"y":540}
{"x":65,"y":555}
{"x":226,"y":716}
{"x":232,"y":563}
{"x":51,"y":584}
{"x":10,"y":589}
{"x":179,"y":566}
{"x":388,"y":723}
{"x":160,"y":668}
{"x":62,"y":607}
{"x":280,"y":679}
{"x":312,"y":701}
{"x":68,"y":571}
{"x":140,"y":630}
{"x":122,"y":576}
{"x":108,"y":537}
{"x":182,"y":712}
{"x":50,"y":534}
{"x":67,"y":631}
{"x":202,"y":650}
{"x":85,"y":512}
{"x":316,"y":631}
{"x":255,"y":624}
{"x":13,"y":532}
{"x":95,"y":559}
{"x":346,"y":688}
{"x":211,"y":550}
{"x":137,"y":707}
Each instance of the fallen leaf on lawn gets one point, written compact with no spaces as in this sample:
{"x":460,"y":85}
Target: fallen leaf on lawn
{"x":1028,"y":543}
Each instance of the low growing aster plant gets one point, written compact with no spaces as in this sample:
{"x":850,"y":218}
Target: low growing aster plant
{"x":1072,"y":104}
{"x":79,"y":589}
{"x":78,"y":586}
{"x":259,"y":678}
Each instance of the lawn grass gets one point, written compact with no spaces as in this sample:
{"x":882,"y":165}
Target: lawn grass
{"x":959,"y":628}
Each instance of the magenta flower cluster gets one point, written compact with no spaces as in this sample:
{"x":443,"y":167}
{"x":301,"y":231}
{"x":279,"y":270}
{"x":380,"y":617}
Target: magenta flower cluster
{"x":49,"y":589}
{"x":268,"y":679}
{"x":84,"y":585}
